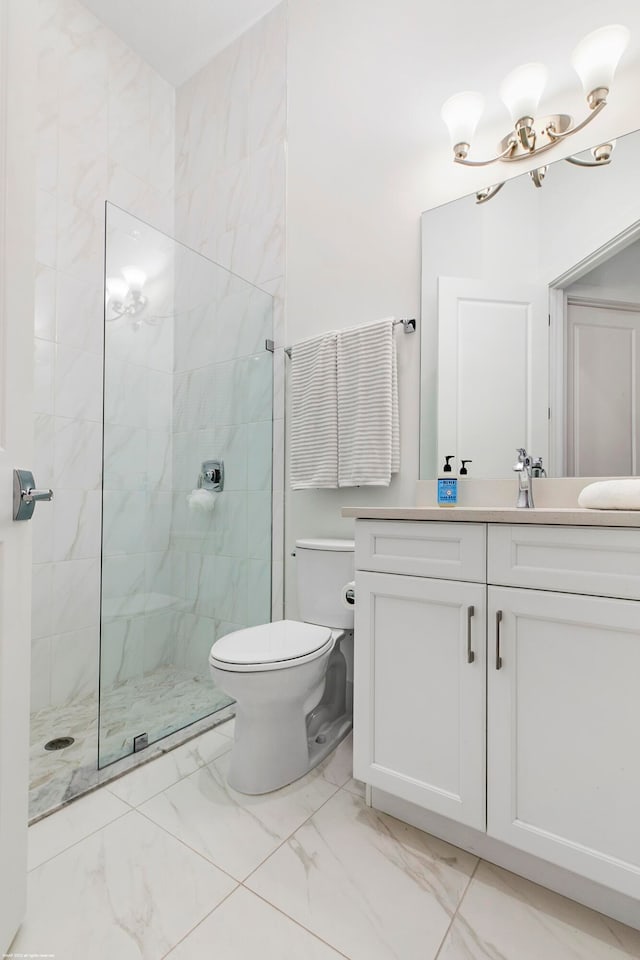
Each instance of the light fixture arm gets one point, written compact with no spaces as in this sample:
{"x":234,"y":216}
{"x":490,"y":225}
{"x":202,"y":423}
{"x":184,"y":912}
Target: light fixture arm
{"x":588,"y":163}
{"x":599,"y":103}
{"x":462,"y":149}
{"x":489,"y":192}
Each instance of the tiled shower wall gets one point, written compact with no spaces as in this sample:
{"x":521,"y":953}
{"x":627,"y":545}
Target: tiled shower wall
{"x":105,"y":131}
{"x":223,"y":411}
{"x":230,"y":199}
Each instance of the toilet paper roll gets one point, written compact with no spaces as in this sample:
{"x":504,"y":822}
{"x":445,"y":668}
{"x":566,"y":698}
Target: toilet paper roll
{"x":204,"y":501}
{"x":349,"y":595}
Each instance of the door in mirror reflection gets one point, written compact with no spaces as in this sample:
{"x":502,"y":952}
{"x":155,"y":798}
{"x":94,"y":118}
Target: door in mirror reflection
{"x":603,"y":432}
{"x":492,"y":361}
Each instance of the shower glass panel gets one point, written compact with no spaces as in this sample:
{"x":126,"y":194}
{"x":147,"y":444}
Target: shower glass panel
{"x":188,"y":379}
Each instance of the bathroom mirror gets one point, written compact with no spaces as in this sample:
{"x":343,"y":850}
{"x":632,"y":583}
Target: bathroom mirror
{"x":531,"y":323}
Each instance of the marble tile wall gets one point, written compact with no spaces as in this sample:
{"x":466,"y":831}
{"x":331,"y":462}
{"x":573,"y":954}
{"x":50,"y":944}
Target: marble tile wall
{"x":206,"y":163}
{"x":138,"y":597}
{"x":230,"y":205}
{"x":223,"y":394}
{"x":105,"y":131}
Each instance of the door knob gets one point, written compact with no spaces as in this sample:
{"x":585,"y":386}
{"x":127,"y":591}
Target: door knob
{"x":25,"y":495}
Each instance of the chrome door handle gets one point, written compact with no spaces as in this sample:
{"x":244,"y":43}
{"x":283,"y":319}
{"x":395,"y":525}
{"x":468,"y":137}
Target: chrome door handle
{"x":25,"y":495}
{"x":470,"y":654}
{"x":498,"y":622}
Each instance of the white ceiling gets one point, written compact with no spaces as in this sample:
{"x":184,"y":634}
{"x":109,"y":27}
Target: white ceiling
{"x":178,"y":37}
{"x":431,"y":48}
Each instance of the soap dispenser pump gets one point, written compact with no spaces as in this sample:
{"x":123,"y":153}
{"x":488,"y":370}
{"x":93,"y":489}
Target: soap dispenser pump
{"x":463,"y":469}
{"x":447,"y":486}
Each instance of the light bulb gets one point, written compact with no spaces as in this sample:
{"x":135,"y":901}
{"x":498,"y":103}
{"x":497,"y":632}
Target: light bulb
{"x":117,"y":289}
{"x":597,"y":55}
{"x":135,"y":277}
{"x":522,"y":89}
{"x":461,"y":114}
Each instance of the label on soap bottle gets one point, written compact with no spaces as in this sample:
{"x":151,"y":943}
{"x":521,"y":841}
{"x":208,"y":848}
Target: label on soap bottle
{"x":447,"y":492}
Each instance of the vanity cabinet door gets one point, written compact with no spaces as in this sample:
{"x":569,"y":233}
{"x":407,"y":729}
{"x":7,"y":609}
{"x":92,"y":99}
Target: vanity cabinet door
{"x":419,"y":692}
{"x":564,"y":731}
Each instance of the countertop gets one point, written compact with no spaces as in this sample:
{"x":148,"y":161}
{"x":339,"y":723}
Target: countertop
{"x":567,"y":516}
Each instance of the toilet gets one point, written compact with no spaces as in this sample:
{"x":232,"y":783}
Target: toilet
{"x":291,"y":679}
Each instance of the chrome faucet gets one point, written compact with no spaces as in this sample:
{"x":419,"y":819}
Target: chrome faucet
{"x":525,"y":482}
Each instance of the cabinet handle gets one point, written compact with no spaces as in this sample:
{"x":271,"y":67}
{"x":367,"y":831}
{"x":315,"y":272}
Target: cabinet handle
{"x":498,"y":622}
{"x":470,"y":654}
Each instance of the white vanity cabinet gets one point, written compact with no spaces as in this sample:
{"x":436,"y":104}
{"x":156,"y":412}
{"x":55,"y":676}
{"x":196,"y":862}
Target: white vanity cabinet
{"x":555,"y":679}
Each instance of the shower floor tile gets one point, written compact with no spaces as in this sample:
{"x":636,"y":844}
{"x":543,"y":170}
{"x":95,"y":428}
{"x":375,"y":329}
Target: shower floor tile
{"x":136,"y":706}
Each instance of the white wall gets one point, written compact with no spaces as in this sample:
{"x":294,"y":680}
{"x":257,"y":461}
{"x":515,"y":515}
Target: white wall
{"x":367,"y":153}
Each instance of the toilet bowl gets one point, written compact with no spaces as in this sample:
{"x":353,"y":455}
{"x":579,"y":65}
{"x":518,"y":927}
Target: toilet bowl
{"x":290,"y":678}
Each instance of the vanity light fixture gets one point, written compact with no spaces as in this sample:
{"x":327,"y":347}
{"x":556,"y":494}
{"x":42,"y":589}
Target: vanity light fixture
{"x":595,"y":60}
{"x":124,"y":296}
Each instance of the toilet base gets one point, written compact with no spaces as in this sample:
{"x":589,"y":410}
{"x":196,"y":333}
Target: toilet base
{"x":300,"y":759}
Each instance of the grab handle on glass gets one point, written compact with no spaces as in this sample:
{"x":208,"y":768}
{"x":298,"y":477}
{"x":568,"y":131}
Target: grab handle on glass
{"x":470,"y":654}
{"x":498,"y":622}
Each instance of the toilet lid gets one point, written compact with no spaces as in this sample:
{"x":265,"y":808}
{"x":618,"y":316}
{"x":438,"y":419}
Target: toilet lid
{"x":270,"y":643}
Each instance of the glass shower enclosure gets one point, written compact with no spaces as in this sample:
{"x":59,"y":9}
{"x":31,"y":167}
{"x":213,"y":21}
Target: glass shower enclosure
{"x":188,"y":414}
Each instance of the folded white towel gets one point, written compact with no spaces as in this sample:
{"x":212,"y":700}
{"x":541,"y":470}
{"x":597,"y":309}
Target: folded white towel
{"x":313,"y":460}
{"x":612,"y":495}
{"x":368,"y":426}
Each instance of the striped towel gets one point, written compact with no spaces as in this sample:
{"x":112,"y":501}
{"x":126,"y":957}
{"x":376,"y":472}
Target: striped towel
{"x":314,"y":414}
{"x":368,"y":422}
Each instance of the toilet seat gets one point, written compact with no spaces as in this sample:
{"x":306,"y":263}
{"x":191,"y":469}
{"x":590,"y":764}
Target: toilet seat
{"x":271,"y":646}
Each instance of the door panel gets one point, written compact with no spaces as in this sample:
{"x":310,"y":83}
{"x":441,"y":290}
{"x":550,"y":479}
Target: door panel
{"x":493,"y":372}
{"x":564,"y":732}
{"x":419,"y":703}
{"x":603,"y":363}
{"x":17,"y":194}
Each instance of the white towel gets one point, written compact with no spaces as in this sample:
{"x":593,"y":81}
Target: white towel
{"x":611,"y":495}
{"x":314,"y":414}
{"x":368,"y":424}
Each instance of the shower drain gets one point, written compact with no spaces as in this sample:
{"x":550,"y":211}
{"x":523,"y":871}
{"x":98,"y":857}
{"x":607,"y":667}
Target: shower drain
{"x":59,"y":743}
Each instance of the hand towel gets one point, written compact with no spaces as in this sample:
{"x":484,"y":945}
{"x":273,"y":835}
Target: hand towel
{"x":313,"y":458}
{"x":368,"y":424}
{"x":611,"y":495}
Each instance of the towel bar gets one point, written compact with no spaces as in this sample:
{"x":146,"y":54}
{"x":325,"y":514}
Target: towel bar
{"x":409,"y":326}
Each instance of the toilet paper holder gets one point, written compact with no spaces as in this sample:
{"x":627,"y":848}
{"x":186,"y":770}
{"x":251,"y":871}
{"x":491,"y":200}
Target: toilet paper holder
{"x":212,"y":476}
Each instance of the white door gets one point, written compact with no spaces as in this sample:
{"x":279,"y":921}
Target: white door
{"x":563,"y":731}
{"x":419,"y":692}
{"x":603,"y":365}
{"x":493,"y":373}
{"x":17,"y":195}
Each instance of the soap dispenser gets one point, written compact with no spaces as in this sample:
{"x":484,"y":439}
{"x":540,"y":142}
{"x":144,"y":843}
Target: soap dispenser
{"x":463,"y":469}
{"x":447,"y":486}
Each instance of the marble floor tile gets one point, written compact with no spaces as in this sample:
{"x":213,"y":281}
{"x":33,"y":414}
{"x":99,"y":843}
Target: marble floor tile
{"x":245,"y":927}
{"x":233,"y":830}
{"x":151,"y":778}
{"x":370,"y":886}
{"x":505,"y":917}
{"x":128,"y":891}
{"x":72,"y":823}
{"x":59,"y":776}
{"x":159,"y":703}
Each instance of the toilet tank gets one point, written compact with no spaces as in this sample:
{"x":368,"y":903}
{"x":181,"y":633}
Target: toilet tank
{"x":323,"y":567}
